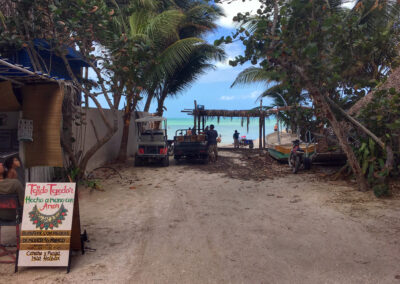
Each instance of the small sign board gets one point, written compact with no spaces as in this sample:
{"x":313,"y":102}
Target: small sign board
{"x":46,"y":224}
{"x":25,"y":130}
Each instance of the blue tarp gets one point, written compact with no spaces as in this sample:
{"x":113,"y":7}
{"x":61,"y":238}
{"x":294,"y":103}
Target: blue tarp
{"x":49,"y":61}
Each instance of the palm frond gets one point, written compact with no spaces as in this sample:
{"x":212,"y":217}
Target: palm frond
{"x":138,"y":22}
{"x":176,"y":55}
{"x":198,"y":63}
{"x":251,"y":75}
{"x":144,"y":4}
{"x":3,"y":20}
{"x":164,"y":25}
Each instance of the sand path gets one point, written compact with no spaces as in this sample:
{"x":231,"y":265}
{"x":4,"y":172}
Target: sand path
{"x":185,"y":225}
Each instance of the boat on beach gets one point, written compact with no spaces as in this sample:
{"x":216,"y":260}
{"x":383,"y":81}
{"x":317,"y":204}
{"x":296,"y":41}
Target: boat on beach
{"x":280,"y":146}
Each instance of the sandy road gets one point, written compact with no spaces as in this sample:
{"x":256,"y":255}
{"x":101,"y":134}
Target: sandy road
{"x":185,"y":225}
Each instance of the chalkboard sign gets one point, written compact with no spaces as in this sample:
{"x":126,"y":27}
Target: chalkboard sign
{"x":46,"y":224}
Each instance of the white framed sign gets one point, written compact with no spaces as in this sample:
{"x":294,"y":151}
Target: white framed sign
{"x":46,"y":224}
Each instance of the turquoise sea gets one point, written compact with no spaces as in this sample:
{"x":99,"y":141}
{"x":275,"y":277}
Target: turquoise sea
{"x":226,"y":127}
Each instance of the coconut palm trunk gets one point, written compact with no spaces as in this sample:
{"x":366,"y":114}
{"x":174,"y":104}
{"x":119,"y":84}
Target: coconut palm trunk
{"x":161,"y":100}
{"x":149,"y":98}
{"x":321,"y":103}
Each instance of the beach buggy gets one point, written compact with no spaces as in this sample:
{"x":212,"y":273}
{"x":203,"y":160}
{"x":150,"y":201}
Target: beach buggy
{"x":191,"y":146}
{"x":243,"y":142}
{"x":152,"y":141}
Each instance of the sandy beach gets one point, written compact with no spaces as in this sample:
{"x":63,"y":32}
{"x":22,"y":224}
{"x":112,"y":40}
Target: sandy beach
{"x":229,"y":223}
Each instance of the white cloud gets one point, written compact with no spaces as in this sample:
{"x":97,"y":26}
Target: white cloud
{"x":227,"y":98}
{"x":235,"y":7}
{"x":232,"y":50}
{"x":223,"y":64}
{"x":252,"y":95}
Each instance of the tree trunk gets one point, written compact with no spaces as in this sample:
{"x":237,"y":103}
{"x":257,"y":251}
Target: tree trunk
{"x":160,"y":108}
{"x":320,"y":102}
{"x":93,"y":150}
{"x":123,"y":148}
{"x":111,"y":129}
{"x":148,"y":101}
{"x":66,"y":134}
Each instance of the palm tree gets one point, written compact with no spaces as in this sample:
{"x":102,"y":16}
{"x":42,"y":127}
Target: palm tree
{"x":197,"y":64}
{"x":282,"y":94}
{"x":199,"y":19}
{"x":154,"y":50}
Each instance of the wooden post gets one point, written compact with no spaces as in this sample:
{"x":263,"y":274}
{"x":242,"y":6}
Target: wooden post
{"x":264,"y":132}
{"x":76,"y":242}
{"x":195,"y":114}
{"x":260,"y":140}
{"x":197,"y":132}
{"x":260,"y":133}
{"x":277,"y":123}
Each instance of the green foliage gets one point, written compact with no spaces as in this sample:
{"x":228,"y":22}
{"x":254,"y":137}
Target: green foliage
{"x":326,"y":49}
{"x":73,"y":173}
{"x":93,"y":184}
{"x":382,"y":116}
{"x":381,"y":190}
{"x":372,"y":166}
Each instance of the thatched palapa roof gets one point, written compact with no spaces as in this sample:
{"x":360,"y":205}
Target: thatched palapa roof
{"x":393,"y":81}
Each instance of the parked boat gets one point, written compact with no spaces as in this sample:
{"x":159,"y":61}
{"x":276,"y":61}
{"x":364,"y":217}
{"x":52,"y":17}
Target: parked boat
{"x":279,"y":147}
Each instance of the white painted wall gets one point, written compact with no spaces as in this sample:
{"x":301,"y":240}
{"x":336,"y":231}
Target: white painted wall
{"x":109,"y":151}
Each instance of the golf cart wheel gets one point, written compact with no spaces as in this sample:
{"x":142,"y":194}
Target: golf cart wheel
{"x":165,"y":161}
{"x":307,"y":163}
{"x":251,"y":146}
{"x":138,"y":162}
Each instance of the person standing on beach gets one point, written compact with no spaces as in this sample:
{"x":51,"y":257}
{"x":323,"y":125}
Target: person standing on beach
{"x":236,"y":139}
{"x":212,"y":143}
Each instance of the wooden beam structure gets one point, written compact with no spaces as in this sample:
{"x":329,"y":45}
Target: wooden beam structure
{"x":237,"y":113}
{"x":199,"y":114}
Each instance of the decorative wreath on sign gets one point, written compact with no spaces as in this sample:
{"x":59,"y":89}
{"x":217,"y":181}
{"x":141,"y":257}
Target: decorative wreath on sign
{"x":46,"y":222}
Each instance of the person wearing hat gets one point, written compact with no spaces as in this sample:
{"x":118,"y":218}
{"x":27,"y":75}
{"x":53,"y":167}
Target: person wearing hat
{"x":236,"y":139}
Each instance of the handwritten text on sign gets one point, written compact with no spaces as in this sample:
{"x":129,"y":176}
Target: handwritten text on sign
{"x":46,"y":224}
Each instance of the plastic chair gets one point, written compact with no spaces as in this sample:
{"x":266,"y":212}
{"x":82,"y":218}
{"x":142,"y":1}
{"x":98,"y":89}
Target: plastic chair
{"x":9,"y":202}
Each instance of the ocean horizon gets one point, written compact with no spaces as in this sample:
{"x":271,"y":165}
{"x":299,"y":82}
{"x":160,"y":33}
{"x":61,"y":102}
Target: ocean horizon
{"x":225,"y":127}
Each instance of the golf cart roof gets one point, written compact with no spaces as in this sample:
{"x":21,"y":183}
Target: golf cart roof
{"x":151,"y":119}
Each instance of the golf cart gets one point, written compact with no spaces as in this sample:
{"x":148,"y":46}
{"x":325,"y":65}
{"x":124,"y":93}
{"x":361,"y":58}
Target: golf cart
{"x":191,"y":146}
{"x":243,"y":142}
{"x":152,"y":141}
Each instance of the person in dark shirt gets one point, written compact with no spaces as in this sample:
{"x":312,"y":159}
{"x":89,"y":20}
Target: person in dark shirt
{"x":236,"y":139}
{"x":212,"y":143}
